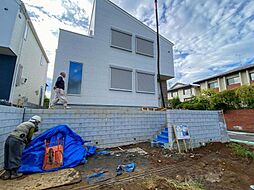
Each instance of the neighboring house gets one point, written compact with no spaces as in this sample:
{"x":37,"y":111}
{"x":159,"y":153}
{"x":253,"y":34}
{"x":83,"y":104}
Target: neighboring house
{"x":116,"y":63}
{"x":228,"y":80}
{"x":183,"y":91}
{"x":23,"y":62}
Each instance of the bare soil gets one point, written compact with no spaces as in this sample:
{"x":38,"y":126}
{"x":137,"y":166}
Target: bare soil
{"x":214,"y":167}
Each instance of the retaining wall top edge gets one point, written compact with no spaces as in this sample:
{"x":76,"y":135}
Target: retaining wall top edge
{"x":197,"y":111}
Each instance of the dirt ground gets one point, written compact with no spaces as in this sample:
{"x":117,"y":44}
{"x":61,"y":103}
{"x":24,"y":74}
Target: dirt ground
{"x":214,"y":167}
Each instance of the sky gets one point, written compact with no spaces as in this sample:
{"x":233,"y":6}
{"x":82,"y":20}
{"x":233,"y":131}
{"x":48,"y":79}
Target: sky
{"x":209,"y":36}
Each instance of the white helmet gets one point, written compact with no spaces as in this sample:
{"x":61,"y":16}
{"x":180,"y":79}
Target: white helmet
{"x":35,"y":118}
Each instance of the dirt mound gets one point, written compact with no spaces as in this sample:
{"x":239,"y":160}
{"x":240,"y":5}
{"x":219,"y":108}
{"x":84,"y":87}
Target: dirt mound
{"x":162,"y":183}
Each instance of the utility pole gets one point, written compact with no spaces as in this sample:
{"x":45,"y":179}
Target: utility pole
{"x":158,"y":53}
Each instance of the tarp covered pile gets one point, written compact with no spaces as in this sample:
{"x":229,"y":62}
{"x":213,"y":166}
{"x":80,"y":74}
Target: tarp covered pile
{"x":74,"y":151}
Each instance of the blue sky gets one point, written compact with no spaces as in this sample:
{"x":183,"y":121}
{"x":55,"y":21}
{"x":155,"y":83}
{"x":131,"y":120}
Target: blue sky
{"x":210,"y":36}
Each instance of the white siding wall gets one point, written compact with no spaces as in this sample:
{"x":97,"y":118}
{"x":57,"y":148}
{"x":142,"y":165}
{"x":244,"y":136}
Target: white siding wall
{"x":28,"y":51}
{"x":9,"y":17}
{"x":18,"y":33}
{"x":97,"y":56}
{"x":35,"y":73}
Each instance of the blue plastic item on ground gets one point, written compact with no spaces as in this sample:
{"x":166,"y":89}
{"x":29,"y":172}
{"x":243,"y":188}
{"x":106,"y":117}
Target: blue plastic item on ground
{"x":95,"y":175}
{"x":74,"y":152}
{"x":127,"y":168}
{"x":104,"y":152}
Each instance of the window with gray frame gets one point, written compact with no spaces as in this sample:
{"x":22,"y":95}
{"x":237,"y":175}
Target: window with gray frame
{"x":19,"y":75}
{"x":213,"y":84}
{"x":144,"y":46}
{"x":252,"y":76}
{"x":175,"y":94}
{"x":187,"y":91}
{"x":75,"y":78}
{"x":121,"y":79}
{"x":233,"y":80}
{"x":121,"y":40}
{"x":145,"y":82}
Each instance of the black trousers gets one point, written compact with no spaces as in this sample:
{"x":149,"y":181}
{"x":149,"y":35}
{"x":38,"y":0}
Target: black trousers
{"x":13,"y":149}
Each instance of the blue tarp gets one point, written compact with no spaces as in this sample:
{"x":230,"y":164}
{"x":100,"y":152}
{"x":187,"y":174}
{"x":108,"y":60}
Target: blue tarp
{"x":74,"y":152}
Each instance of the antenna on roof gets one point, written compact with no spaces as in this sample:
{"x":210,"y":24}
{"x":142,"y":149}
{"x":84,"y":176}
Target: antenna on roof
{"x":158,"y":54}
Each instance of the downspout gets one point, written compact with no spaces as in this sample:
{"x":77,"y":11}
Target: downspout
{"x":158,"y":54}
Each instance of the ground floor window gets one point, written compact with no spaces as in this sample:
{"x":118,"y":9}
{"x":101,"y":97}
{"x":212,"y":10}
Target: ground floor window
{"x":75,"y":78}
{"x":233,"y":80}
{"x":251,"y":76}
{"x":120,"y":79}
{"x":145,"y":82}
{"x":213,"y":84}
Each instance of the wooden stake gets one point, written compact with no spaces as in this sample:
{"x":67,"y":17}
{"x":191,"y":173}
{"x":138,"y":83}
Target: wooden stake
{"x":186,"y":150}
{"x":177,"y":142}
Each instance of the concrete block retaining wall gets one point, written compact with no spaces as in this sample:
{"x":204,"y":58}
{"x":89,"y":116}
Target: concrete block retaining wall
{"x":106,"y":128}
{"x":204,"y":126}
{"x":10,"y":117}
{"x":111,"y":127}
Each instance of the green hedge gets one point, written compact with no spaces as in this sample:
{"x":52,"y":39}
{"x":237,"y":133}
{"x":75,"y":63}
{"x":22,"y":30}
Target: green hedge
{"x":239,"y":98}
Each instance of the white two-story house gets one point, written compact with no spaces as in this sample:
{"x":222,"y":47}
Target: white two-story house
{"x":23,"y":61}
{"x":116,"y":63}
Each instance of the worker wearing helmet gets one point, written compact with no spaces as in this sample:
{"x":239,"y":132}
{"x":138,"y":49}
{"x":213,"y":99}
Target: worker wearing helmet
{"x":15,"y":144}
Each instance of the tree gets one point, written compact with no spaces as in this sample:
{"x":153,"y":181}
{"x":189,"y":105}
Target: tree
{"x":246,"y":96}
{"x":46,"y":102}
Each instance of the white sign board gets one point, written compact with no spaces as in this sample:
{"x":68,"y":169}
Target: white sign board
{"x":182,"y":132}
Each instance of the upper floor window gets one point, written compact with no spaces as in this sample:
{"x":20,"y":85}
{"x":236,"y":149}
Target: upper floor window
{"x":175,"y":94}
{"x":144,"y":46}
{"x":145,"y":82}
{"x":233,"y":80}
{"x":187,"y":91}
{"x":252,"y":76}
{"x":26,"y":31}
{"x":121,"y":40}
{"x":213,"y":84}
{"x":121,"y":79}
{"x":75,"y":78}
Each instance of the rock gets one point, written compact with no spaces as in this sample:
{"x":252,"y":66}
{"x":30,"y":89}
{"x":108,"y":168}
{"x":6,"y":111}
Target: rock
{"x":179,"y":178}
{"x":159,"y":161}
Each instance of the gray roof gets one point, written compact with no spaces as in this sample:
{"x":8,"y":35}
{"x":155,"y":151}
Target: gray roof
{"x":183,"y":86}
{"x":227,"y":73}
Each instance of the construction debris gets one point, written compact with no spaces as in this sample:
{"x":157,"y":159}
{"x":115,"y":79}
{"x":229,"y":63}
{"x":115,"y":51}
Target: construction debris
{"x":43,"y":180}
{"x":137,"y":150}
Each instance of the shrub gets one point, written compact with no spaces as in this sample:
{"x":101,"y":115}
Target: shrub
{"x":173,"y":103}
{"x":246,"y":96}
{"x":241,"y":97}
